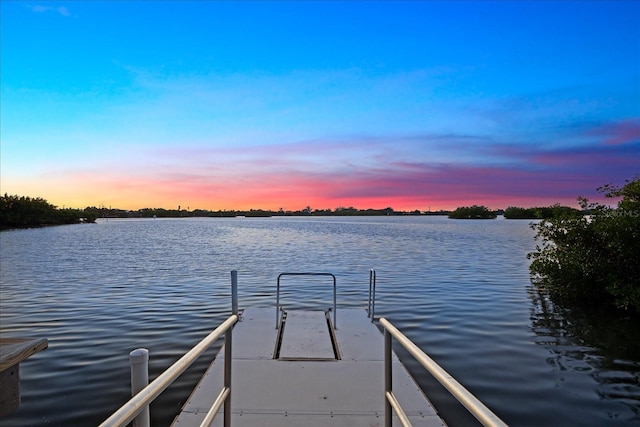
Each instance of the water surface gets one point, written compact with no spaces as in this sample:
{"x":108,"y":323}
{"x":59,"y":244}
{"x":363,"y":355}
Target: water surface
{"x":459,"y":289}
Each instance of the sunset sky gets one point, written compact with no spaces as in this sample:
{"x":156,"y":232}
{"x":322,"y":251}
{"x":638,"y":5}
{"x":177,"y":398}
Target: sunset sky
{"x":238,"y":105}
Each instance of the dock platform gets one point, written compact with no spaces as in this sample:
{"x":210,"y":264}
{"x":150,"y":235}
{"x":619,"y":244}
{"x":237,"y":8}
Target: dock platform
{"x":308,"y":383}
{"x":12,"y":352}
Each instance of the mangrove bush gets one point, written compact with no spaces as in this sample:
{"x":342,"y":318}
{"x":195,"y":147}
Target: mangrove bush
{"x":21,"y":212}
{"x":592,"y":259}
{"x":473,"y":212}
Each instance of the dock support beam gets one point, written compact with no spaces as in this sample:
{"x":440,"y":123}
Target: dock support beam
{"x":139,"y":360}
{"x":10,"y":393}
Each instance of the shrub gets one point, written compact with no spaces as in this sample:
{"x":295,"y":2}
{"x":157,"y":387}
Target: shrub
{"x":539,"y":213}
{"x":20,"y":212}
{"x":593,"y":259}
{"x":473,"y":212}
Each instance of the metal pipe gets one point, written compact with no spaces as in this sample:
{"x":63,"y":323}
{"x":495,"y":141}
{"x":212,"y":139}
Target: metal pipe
{"x":227,"y":376}
{"x":213,"y":411}
{"x":234,"y":292}
{"x":373,"y":299}
{"x":335,"y":323}
{"x":136,"y":404}
{"x":139,"y":360}
{"x":388,"y":377}
{"x":391,"y":399}
{"x":464,"y":396}
{"x":335,"y":304}
{"x":277,"y":300}
{"x":370,"y":283}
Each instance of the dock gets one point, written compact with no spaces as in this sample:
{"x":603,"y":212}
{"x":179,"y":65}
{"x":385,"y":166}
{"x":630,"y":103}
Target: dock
{"x":300,"y":377}
{"x":314,"y":368}
{"x":12,"y":352}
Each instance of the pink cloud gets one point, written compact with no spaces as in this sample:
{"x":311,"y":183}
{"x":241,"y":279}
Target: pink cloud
{"x":362,"y":173}
{"x":616,"y":133}
{"x":445,"y":186}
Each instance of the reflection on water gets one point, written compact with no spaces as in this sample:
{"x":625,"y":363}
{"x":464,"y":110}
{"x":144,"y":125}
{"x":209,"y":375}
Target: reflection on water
{"x":459,"y":289}
{"x":595,"y":341}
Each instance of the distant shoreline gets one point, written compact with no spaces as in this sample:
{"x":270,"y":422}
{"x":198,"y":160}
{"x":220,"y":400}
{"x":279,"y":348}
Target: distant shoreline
{"x":25,"y":212}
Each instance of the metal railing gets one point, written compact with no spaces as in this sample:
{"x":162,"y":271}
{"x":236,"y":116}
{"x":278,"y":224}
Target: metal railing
{"x":140,"y":401}
{"x":464,"y":396}
{"x":335,"y":325}
{"x":137,"y":408}
{"x":371,"y":309}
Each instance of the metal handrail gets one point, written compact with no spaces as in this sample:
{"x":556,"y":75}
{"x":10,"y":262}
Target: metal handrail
{"x":464,"y":396}
{"x":136,"y":404}
{"x":335,"y":324}
{"x":371,"y":309}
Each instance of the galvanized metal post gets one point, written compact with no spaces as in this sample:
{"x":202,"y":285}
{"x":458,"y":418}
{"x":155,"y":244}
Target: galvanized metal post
{"x":234,"y":291}
{"x":373,"y":299}
{"x":388,"y":378}
{"x":227,"y":376}
{"x":278,"y":299}
{"x":335,"y":304}
{"x":139,"y":360}
{"x":370,"y":283}
{"x":227,"y":349}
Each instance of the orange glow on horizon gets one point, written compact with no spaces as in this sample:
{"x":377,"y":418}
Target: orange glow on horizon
{"x":405,"y":188}
{"x":288,"y":202}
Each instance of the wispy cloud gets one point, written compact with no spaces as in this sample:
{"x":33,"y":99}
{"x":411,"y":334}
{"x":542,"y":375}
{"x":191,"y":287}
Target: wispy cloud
{"x":62,"y":10}
{"x":620,"y":132}
{"x":238,"y":142}
{"x":405,"y":172}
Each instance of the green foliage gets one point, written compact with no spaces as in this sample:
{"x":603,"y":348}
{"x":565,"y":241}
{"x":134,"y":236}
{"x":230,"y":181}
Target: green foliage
{"x":554,"y":211}
{"x":20,"y":212}
{"x":594,"y":259}
{"x":473,"y":212}
{"x":519,"y":213}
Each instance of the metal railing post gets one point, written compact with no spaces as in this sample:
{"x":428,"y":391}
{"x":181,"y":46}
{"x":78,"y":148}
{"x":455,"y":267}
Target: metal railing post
{"x":227,"y":376}
{"x":335,"y":304}
{"x":234,"y":292}
{"x":373,"y":299}
{"x":139,"y":360}
{"x":464,"y":396}
{"x":130,"y":410}
{"x":370,"y":283}
{"x":278,"y":299}
{"x":388,"y":378}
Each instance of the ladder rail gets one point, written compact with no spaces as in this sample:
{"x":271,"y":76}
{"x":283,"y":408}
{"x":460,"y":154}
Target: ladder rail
{"x":335,"y":324}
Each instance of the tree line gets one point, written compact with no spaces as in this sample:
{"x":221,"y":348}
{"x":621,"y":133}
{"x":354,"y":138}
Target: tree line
{"x":22,"y":211}
{"x":103,"y":212}
{"x":512,"y":212}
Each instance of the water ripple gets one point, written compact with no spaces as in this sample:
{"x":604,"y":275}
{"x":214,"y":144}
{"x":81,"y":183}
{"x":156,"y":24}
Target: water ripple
{"x":459,"y":289}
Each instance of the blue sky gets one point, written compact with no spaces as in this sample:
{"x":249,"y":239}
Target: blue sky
{"x":287,"y":104}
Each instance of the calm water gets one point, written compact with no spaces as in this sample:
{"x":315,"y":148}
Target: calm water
{"x":459,"y":289}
